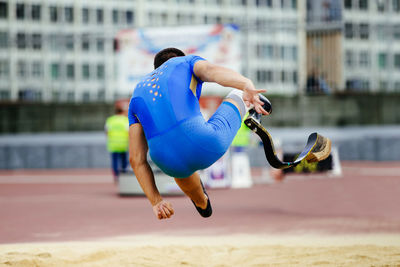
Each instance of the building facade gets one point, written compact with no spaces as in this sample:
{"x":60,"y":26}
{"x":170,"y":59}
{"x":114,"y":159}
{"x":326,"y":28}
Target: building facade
{"x":354,"y":45}
{"x":371,"y":46}
{"x":63,"y":50}
{"x":59,"y":50}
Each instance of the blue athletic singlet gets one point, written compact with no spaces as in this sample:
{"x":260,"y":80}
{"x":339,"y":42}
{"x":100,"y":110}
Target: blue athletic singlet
{"x":166,"y":103}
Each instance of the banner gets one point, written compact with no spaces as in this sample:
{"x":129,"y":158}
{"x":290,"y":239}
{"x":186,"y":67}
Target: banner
{"x":136,"y":48}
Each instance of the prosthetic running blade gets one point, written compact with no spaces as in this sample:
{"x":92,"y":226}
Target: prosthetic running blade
{"x":317,"y":148}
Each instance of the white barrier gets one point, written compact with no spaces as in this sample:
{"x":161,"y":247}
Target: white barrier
{"x":128,"y":184}
{"x":241,"y":173}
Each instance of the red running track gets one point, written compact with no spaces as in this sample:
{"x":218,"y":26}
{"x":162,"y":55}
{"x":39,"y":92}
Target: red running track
{"x":38,"y":206}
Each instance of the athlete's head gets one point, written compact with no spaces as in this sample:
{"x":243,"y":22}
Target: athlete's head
{"x":166,"y":54}
{"x":118,"y":110}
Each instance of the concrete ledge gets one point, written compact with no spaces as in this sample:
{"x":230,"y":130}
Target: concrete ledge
{"x":88,"y":149}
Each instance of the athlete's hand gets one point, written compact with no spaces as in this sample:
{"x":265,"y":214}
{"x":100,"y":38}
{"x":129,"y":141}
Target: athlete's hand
{"x":250,"y":97}
{"x":163,"y":210}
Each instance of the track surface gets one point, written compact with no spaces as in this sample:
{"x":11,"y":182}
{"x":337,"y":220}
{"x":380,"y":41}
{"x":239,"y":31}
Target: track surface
{"x":38,"y":206}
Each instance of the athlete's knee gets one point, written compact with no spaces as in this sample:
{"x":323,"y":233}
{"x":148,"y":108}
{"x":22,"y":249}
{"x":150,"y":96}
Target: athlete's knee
{"x":236,"y":97}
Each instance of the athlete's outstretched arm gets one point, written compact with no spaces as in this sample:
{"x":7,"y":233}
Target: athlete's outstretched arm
{"x":138,"y":159}
{"x":209,"y":72}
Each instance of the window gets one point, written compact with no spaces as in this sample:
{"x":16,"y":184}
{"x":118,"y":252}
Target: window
{"x":69,"y":14}
{"x":363,"y":4}
{"x":37,"y":41}
{"x":283,"y":76}
{"x":294,"y":53}
{"x":397,"y":86}
{"x":349,"y":30}
{"x":85,"y":15}
{"x":348,"y":4}
{"x":56,"y":96}
{"x":396,"y":5}
{"x":383,"y":85}
{"x":36,"y":12}
{"x":55,"y":71}
{"x":3,"y":39}
{"x":354,"y":84}
{"x":100,"y":16}
{"x":85,"y":71}
{"x":382,"y":60}
{"x":85,"y":43}
{"x":37,"y":69}
{"x":265,"y":51}
{"x":349,"y":58}
{"x":364,"y":31}
{"x":69,"y":42}
{"x":283,"y":52}
{"x":290,"y":53}
{"x":294,"y":4}
{"x":53,"y":14}
{"x":100,"y":72}
{"x":101,"y":95}
{"x":270,"y":76}
{"x":381,"y":6}
{"x":4,"y":94}
{"x":381,"y":32}
{"x":21,"y":69}
{"x":21,"y":40}
{"x":261,"y":76}
{"x":364,"y":59}
{"x":86,"y":97}
{"x":129,"y":17}
{"x":70,"y":71}
{"x":397,"y":61}
{"x":365,"y":85}
{"x":55,"y":42}
{"x":4,"y":68}
{"x":295,"y":78}
{"x":265,"y":3}
{"x":396,"y":31}
{"x":264,"y":76}
{"x":3,"y":10}
{"x":164,"y":18}
{"x":100,"y":44}
{"x":115,"y":16}
{"x":20,"y":11}
{"x":70,"y":96}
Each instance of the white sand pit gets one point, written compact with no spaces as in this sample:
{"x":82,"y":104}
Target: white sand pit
{"x":230,"y":250}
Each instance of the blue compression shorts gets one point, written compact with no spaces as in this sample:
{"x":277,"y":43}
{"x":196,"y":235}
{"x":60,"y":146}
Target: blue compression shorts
{"x":195,"y":144}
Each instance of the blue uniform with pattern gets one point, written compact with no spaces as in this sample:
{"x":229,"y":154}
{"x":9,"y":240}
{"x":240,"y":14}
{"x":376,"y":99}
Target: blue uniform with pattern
{"x":166,"y":103}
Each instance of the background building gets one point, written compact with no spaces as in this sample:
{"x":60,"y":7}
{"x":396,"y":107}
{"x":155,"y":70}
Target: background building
{"x":60,"y":50}
{"x":354,"y":45}
{"x":372,"y":45}
{"x":63,"y":51}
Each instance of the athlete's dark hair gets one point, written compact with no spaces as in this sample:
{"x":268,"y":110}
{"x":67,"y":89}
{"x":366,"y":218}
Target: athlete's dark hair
{"x":166,"y":54}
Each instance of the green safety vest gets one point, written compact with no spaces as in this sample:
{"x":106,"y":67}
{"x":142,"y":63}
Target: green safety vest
{"x":117,"y":133}
{"x":242,"y":137}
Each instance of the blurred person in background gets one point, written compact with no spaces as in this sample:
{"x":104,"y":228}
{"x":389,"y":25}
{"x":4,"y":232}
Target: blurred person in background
{"x":316,"y":84}
{"x":165,"y":119}
{"x":242,"y":138}
{"x":117,"y":130}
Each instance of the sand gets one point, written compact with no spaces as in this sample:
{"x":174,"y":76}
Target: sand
{"x":231,"y":250}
